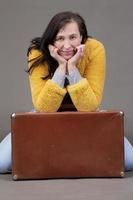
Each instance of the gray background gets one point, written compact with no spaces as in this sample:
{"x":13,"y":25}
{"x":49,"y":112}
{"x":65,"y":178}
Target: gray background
{"x":108,"y":21}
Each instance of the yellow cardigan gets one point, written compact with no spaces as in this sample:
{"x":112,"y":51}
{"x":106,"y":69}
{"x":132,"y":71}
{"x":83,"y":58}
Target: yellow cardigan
{"x":86,"y":95}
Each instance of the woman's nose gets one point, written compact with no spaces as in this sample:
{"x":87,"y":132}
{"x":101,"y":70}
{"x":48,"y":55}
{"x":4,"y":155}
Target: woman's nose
{"x":67,"y":44}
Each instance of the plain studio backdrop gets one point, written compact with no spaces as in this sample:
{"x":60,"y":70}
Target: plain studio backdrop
{"x":108,"y":21}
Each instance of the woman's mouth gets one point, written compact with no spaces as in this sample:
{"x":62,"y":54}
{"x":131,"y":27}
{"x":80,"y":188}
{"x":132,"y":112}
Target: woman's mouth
{"x":67,"y":53}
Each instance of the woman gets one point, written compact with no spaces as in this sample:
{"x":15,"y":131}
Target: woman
{"x":57,"y":66}
{"x":66,"y":72}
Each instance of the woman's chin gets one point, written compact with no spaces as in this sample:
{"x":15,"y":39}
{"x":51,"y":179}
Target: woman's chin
{"x":67,"y":57}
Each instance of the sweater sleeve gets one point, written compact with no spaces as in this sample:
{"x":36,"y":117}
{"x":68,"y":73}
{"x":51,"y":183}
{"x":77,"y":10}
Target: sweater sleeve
{"x":47,"y":96}
{"x":87,"y":93}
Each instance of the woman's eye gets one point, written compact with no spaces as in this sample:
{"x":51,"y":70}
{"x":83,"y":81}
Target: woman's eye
{"x":59,"y":39}
{"x":73,"y":37}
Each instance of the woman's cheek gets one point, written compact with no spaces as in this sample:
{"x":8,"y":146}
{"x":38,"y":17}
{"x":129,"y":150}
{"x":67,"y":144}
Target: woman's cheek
{"x":77,"y":43}
{"x":57,"y":45}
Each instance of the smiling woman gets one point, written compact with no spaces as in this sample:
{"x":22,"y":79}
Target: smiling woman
{"x":66,"y":63}
{"x":66,"y":69}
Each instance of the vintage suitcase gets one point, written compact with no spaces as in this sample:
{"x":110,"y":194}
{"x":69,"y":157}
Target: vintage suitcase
{"x":67,"y":145}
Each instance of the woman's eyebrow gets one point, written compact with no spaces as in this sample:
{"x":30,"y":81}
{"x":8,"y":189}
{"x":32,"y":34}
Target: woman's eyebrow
{"x":70,"y":35}
{"x":73,"y":34}
{"x":59,"y":36}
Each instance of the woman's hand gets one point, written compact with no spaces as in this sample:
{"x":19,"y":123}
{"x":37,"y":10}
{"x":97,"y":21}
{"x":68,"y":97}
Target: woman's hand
{"x":62,"y":62}
{"x":54,"y":53}
{"x":66,"y":66}
{"x":71,"y":64}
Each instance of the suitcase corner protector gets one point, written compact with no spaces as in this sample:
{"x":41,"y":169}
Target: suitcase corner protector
{"x":122,"y":174}
{"x":15,"y":177}
{"x":13,"y":115}
{"x":121,"y":113}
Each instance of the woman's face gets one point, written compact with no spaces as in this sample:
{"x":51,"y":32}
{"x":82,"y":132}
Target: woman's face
{"x":67,"y":39}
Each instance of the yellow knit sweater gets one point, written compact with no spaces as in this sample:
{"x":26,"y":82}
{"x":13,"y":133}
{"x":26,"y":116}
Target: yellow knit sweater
{"x":86,"y":95}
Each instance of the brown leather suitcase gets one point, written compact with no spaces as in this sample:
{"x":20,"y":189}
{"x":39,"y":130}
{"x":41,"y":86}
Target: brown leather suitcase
{"x":67,"y":145}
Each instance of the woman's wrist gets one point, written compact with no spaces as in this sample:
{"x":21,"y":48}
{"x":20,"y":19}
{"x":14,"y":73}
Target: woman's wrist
{"x":71,"y":68}
{"x":62,"y":69}
{"x":70,"y":64}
